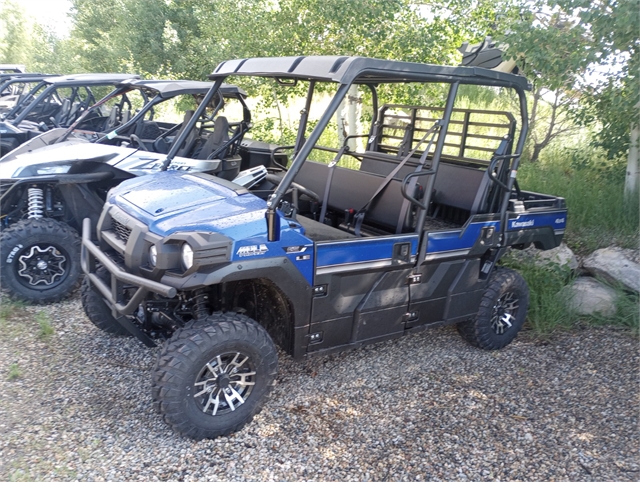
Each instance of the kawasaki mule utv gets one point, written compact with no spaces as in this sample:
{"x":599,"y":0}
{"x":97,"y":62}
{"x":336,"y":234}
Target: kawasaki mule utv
{"x":373,"y":227}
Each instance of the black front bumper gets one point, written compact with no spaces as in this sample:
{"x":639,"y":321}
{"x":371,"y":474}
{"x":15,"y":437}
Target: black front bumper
{"x":114,"y":294}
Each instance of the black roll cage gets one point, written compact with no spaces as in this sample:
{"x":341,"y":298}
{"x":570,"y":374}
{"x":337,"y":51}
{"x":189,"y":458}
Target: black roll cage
{"x":158,"y":98}
{"x":347,"y":71}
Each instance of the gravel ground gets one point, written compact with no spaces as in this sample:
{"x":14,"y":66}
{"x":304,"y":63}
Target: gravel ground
{"x":76,"y":404}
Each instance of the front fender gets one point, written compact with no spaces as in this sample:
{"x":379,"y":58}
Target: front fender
{"x":278,"y":270}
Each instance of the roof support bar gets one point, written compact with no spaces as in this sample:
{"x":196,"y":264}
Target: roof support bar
{"x":304,"y":117}
{"x":175,"y":146}
{"x":302,"y":155}
{"x":514,"y":164}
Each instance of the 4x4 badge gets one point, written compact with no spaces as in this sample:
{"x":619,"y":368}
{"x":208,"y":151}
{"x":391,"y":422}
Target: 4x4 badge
{"x":253,"y":250}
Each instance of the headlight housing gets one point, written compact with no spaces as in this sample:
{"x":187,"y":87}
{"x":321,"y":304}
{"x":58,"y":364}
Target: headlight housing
{"x":153,"y":255}
{"x":186,"y":255}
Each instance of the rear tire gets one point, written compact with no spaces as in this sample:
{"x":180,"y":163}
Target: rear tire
{"x":213,"y":376}
{"x":39,"y":260}
{"x":503,"y":310}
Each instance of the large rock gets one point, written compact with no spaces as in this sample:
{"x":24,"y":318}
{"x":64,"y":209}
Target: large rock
{"x":587,"y":296}
{"x":562,"y":256}
{"x":615,"y":265}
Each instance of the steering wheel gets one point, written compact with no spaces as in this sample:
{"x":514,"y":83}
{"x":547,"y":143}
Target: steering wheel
{"x":303,"y":190}
{"x":295,"y":189}
{"x":135,"y":139}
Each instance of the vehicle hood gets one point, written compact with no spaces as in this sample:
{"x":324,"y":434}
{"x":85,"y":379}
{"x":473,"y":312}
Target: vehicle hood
{"x":60,"y":158}
{"x":170,"y":202}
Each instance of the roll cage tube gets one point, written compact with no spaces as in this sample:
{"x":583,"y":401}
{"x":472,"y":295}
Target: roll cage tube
{"x":304,"y":117}
{"x":515,"y":163}
{"x":216,"y":109}
{"x":435,"y":161}
{"x":19,"y":106}
{"x":373,"y":129}
{"x":148,"y":105}
{"x":97,"y":105}
{"x":191,"y":124}
{"x":299,"y":159}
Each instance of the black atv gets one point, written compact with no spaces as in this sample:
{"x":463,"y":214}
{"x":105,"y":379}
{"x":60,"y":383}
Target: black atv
{"x":14,"y":89}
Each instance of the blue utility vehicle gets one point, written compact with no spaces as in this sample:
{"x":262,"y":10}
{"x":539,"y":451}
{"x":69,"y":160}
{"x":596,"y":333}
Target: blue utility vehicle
{"x":352,"y":237}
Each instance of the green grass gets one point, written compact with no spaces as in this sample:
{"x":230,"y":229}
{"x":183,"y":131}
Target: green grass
{"x":599,"y":216}
{"x":627,"y":312}
{"x":14,"y":372}
{"x":8,"y":310}
{"x":15,"y":321}
{"x":547,"y":310}
{"x":45,"y":329}
{"x":20,"y":476}
{"x":593,"y":186}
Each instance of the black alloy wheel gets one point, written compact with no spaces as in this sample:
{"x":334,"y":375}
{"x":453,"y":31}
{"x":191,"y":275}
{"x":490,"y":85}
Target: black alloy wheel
{"x":39,"y":260}
{"x":213,"y":376}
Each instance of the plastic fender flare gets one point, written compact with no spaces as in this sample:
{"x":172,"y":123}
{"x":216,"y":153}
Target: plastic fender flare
{"x":279,"y":270}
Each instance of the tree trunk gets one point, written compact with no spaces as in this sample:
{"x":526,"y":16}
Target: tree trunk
{"x":352,"y":115}
{"x":631,"y":179}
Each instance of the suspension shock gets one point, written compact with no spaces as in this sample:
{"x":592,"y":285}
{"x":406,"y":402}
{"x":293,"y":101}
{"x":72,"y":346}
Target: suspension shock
{"x":35,"y":199}
{"x":201,"y":304}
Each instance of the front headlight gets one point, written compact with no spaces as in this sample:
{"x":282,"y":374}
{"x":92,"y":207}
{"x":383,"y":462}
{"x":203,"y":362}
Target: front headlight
{"x":153,"y":255}
{"x":186,"y":254}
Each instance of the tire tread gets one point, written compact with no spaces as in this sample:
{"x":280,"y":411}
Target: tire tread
{"x":182,"y":351}
{"x":478,"y":331}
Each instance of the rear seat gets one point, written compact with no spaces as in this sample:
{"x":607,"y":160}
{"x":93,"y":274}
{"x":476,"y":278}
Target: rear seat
{"x":455,"y":186}
{"x":460,"y":187}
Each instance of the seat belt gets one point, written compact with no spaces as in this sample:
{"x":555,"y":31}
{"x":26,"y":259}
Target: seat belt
{"x":359,"y":216}
{"x":327,"y":187}
{"x":412,"y":186}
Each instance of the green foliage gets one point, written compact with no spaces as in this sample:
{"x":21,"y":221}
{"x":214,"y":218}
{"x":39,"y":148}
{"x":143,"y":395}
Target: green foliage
{"x":14,"y":372}
{"x":20,"y":475}
{"x":627,"y":312}
{"x":557,"y":44}
{"x":15,"y":43}
{"x":45,"y":329}
{"x":22,"y":41}
{"x":614,"y":31}
{"x":560,"y":43}
{"x":8,"y":309}
{"x":553,"y":47}
{"x":188,"y":38}
{"x":599,"y":214}
{"x":547,"y":310}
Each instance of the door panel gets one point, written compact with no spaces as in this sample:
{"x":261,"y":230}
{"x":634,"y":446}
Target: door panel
{"x":448,"y":291}
{"x":361,"y":289}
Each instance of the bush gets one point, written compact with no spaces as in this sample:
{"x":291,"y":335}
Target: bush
{"x":547,"y":308}
{"x":593,"y":186}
